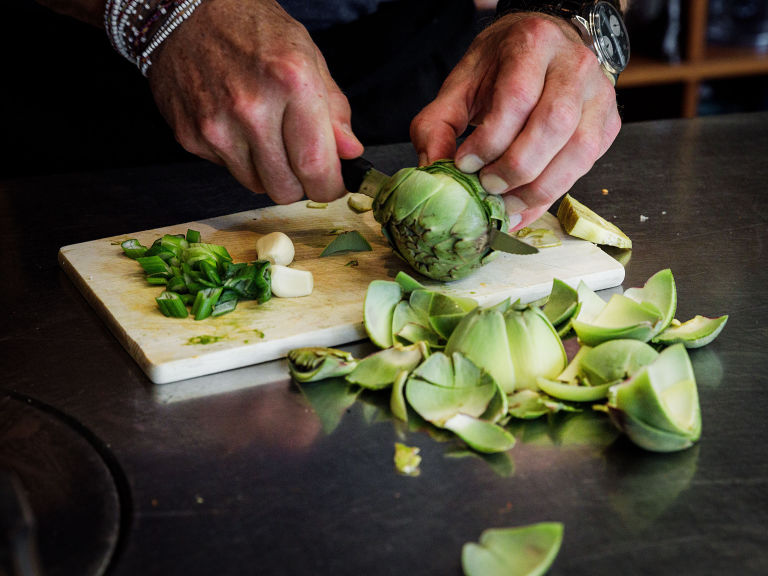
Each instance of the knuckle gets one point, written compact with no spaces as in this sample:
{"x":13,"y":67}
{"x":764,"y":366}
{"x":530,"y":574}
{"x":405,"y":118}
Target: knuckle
{"x":562,"y":115}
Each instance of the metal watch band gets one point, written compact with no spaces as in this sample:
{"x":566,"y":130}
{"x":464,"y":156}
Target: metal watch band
{"x":563,"y":8}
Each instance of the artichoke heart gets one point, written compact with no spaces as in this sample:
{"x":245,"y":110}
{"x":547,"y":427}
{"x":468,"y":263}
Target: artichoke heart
{"x":439,"y":219}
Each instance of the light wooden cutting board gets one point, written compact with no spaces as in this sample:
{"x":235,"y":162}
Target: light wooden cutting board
{"x":169,"y":349}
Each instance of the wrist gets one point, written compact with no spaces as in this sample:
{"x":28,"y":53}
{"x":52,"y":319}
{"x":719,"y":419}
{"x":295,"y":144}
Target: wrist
{"x":599,"y":24}
{"x":136,"y":28}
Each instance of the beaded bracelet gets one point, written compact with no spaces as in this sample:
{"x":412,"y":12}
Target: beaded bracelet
{"x":136,"y":28}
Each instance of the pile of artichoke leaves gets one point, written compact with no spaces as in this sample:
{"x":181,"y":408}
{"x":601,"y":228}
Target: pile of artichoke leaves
{"x":473,"y":370}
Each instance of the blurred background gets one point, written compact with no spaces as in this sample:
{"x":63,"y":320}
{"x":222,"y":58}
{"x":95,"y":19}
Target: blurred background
{"x":70,"y":103}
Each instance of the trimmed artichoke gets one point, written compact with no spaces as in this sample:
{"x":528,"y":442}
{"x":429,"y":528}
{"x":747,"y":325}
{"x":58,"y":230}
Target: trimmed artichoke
{"x":439,"y":219}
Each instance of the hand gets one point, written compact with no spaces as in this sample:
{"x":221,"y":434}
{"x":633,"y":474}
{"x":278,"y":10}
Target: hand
{"x":243,"y":85}
{"x":544,"y":112}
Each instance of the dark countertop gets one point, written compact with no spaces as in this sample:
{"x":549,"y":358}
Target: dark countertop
{"x":235,"y":474}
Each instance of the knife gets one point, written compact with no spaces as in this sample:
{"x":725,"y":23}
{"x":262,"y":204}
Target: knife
{"x":362,"y":177}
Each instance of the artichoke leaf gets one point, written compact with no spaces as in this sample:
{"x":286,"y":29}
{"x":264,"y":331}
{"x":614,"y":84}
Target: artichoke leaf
{"x":518,"y":551}
{"x":694,"y":333}
{"x":317,"y":363}
{"x":380,"y":369}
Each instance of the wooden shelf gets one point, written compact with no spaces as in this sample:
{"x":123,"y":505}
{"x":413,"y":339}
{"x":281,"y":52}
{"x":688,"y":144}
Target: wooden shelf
{"x":702,"y":62}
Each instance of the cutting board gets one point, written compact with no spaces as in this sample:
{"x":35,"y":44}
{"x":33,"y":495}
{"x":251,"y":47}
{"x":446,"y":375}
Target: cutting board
{"x":170,"y":349}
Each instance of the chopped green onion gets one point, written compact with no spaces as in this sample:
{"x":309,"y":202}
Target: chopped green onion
{"x":204,"y":302}
{"x":172,"y":305}
{"x":133,"y":248}
{"x":155,"y":266}
{"x":224,"y":307}
{"x":193,"y":236}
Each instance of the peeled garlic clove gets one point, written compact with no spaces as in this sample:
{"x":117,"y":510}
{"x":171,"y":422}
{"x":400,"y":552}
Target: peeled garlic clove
{"x":290,"y":282}
{"x":275,"y":247}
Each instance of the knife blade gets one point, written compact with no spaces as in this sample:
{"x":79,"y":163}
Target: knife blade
{"x":361,"y":176}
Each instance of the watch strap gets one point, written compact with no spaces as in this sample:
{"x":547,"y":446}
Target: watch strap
{"x":562,"y":8}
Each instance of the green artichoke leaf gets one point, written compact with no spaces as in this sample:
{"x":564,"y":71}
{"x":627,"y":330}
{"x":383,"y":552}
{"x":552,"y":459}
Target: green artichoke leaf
{"x":562,"y":303}
{"x":615,"y":360}
{"x":660,"y":292}
{"x":317,"y":363}
{"x":527,"y":404}
{"x":659,"y":403}
{"x":620,"y":317}
{"x":397,"y":403}
{"x":381,"y":298}
{"x":518,"y":551}
{"x":481,"y":336}
{"x":571,"y":393}
{"x":694,"y":333}
{"x":380,"y":369}
{"x":535,"y":348}
{"x":432,"y":390}
{"x":480,"y":435}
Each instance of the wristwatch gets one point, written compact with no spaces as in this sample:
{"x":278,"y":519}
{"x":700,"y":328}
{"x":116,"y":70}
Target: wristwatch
{"x":599,"y":22}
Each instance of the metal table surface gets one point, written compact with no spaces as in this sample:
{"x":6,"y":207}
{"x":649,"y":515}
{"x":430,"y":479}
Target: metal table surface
{"x":235,"y":474}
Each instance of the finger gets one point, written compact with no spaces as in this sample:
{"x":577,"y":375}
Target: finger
{"x":435,"y":129}
{"x":598,"y":129}
{"x":516,"y":90}
{"x":557,"y":115}
{"x":347,"y":144}
{"x":221,"y":142}
{"x":310,"y":143}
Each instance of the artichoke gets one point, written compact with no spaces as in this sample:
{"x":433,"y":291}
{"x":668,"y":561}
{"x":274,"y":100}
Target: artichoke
{"x":439,"y":219}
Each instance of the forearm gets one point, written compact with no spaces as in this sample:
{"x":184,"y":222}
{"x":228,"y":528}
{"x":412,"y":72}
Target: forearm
{"x":90,"y":11}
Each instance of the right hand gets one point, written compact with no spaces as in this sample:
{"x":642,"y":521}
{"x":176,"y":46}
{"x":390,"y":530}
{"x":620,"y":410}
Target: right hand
{"x":243,"y":85}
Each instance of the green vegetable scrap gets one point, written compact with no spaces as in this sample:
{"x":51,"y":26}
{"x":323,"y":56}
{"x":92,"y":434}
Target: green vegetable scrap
{"x":519,"y":551}
{"x":344,"y":242}
{"x":198,"y":276}
{"x":407,"y":459}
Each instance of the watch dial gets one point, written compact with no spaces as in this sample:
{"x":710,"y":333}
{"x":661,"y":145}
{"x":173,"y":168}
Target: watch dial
{"x":611,"y":36}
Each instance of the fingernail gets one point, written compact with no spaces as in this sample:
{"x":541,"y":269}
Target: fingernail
{"x":470,"y":163}
{"x":515,"y":207}
{"x":493,"y":184}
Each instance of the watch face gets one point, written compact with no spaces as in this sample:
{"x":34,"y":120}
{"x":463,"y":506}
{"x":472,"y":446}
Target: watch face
{"x":611,"y":36}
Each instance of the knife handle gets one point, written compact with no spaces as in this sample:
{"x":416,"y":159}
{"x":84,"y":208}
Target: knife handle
{"x":353,"y":172}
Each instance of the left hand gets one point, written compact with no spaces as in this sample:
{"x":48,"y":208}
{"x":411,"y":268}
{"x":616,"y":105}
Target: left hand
{"x":544,"y":112}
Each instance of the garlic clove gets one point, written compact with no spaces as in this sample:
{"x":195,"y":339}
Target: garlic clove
{"x":290,"y":282}
{"x":275,"y":247}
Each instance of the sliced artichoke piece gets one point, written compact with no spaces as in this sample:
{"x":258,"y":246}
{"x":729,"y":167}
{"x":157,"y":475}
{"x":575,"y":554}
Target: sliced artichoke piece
{"x":529,"y":404}
{"x":582,"y":222}
{"x":381,"y":369}
{"x":535,"y":348}
{"x":381,"y":298}
{"x":480,"y":435}
{"x":435,"y":393}
{"x":316,"y":363}
{"x":397,"y":404}
{"x":658,"y":408}
{"x":620,"y":317}
{"x":481,"y":336}
{"x":562,"y":303}
{"x":695,"y":333}
{"x":359,"y":203}
{"x":615,"y":360}
{"x":520,"y":551}
{"x":571,"y":393}
{"x":660,"y":292}
{"x":407,"y":459}
{"x":408,"y":283}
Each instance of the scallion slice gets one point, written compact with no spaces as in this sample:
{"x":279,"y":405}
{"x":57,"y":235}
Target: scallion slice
{"x":172,"y":305}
